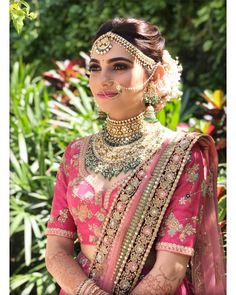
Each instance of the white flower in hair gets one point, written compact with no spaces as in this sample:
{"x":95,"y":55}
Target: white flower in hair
{"x":168,"y":86}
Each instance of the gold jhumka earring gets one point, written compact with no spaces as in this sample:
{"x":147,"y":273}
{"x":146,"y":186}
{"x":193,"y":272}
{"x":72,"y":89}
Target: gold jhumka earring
{"x":150,"y":99}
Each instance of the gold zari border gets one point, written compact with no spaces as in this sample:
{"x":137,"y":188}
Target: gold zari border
{"x":61,"y":232}
{"x":175,"y":248}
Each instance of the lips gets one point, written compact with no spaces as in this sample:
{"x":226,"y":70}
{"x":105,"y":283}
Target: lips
{"x":106,"y":94}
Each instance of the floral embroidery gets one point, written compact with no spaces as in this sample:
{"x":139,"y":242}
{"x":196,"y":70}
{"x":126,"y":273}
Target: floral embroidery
{"x":101,"y":215}
{"x":185,"y":199}
{"x":192,"y":173}
{"x":51,"y":219}
{"x":174,"y":226}
{"x":92,"y":239}
{"x":96,"y":229}
{"x":63,"y":215}
{"x":188,"y":230}
{"x":81,"y":212}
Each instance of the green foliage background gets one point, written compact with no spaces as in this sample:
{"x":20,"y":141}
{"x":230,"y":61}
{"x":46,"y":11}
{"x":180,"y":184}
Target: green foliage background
{"x":41,"y":126}
{"x":194,"y":30}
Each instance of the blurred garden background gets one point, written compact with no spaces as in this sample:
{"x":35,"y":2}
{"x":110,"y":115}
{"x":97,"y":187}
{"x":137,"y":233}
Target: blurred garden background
{"x":51,"y":103}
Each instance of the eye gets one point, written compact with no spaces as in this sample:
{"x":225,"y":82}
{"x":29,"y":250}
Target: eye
{"x":120,"y":67}
{"x":94,"y":68}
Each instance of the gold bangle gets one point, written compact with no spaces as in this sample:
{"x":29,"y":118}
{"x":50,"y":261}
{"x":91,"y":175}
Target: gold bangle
{"x":95,"y":288}
{"x":81,"y":286}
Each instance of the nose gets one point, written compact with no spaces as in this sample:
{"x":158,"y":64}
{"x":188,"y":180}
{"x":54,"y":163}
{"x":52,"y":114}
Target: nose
{"x":107,"y":82}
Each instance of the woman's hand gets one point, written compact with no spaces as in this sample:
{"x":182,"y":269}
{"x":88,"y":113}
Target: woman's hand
{"x":166,"y":275}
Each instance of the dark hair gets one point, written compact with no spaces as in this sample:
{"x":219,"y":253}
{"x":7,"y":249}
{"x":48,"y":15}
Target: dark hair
{"x":142,"y":34}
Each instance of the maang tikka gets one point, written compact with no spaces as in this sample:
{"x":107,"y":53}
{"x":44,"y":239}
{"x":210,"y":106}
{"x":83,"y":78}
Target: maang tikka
{"x":150,"y":99}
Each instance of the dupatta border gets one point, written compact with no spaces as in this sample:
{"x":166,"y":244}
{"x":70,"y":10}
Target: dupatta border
{"x":145,"y":224}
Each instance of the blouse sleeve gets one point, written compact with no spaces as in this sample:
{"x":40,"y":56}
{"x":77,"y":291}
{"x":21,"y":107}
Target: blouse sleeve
{"x":181,"y":220}
{"x":61,"y":222}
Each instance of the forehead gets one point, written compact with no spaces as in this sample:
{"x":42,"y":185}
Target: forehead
{"x":116,"y":51}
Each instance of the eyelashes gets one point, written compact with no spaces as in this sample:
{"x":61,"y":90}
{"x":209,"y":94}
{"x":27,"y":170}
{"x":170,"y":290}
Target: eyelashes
{"x":115,"y":67}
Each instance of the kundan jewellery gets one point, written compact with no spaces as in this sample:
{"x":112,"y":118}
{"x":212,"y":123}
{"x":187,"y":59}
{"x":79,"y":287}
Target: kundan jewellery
{"x":118,"y":133}
{"x":150,"y":99}
{"x":110,"y":153}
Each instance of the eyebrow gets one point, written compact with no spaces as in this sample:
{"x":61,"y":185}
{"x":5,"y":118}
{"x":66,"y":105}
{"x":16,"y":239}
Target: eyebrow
{"x":113,"y":60}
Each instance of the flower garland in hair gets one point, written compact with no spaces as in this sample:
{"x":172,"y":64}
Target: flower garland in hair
{"x":168,"y":86}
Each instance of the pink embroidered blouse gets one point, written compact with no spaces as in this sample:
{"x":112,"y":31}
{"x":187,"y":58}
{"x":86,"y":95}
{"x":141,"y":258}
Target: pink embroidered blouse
{"x":80,"y":205}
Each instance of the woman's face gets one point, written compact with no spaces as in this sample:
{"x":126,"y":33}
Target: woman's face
{"x":117,"y":67}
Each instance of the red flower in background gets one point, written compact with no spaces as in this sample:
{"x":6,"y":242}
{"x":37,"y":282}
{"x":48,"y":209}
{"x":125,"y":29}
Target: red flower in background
{"x":66,"y":70}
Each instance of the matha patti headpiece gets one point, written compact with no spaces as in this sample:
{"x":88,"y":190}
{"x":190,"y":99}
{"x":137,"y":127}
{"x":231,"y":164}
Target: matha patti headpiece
{"x":104,"y":43}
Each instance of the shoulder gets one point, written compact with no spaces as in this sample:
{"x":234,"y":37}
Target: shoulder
{"x":196,"y":140}
{"x":74,"y":147}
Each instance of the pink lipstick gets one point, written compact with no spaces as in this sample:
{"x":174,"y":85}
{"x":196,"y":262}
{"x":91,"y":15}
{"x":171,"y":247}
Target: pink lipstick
{"x":106,"y":94}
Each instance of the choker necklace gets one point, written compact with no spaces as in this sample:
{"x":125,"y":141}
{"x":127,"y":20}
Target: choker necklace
{"x":123,"y":132}
{"x":122,"y":152}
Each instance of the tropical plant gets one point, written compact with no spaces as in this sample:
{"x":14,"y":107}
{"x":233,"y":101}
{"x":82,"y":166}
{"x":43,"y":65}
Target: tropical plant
{"x":41,"y":127}
{"x":19,"y":11}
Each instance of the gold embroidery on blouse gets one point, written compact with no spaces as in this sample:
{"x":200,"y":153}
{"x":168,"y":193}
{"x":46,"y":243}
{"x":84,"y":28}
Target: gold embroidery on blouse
{"x":175,"y":248}
{"x":51,"y":219}
{"x":192,"y":173}
{"x":96,"y":229}
{"x":63,"y":215}
{"x":81,"y":212}
{"x":188,"y":230}
{"x":174,"y":226}
{"x":101,"y":215}
{"x":92,"y":239}
{"x":61,"y":232}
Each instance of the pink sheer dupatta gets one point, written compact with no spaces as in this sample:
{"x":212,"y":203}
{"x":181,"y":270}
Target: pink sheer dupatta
{"x":208,"y":269}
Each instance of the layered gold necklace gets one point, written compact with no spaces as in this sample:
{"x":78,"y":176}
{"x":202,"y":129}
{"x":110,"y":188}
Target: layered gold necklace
{"x":122,"y":145}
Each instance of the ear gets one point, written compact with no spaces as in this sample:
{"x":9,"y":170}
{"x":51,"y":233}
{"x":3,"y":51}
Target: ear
{"x":159,"y":73}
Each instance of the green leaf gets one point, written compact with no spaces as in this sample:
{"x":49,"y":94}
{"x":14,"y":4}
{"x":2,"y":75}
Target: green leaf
{"x":27,"y":239}
{"x":18,"y":280}
{"x":85,"y":99}
{"x":16,"y":223}
{"x":222,"y":208}
{"x":28,"y":289}
{"x":35,"y":228}
{"x":22,"y":148}
{"x":15,"y":164}
{"x":207,"y":45}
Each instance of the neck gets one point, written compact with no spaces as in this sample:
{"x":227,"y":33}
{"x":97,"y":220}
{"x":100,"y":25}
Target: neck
{"x":120,"y":132}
